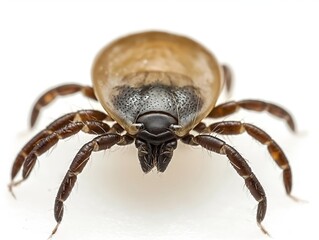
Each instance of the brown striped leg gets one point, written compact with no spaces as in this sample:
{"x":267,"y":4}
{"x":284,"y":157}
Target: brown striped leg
{"x":116,"y":128}
{"x":236,"y":127}
{"x":63,"y":90}
{"x":228,"y":108}
{"x":45,"y":144}
{"x":82,"y":157}
{"x":240,"y":165}
{"x":228,"y":78}
{"x":83,"y":115}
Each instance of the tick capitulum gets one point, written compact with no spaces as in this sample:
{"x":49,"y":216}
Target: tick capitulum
{"x":156,"y":87}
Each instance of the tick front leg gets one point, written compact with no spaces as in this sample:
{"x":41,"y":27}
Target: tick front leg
{"x":254,"y":105}
{"x":60,"y":128}
{"x":82,"y":157}
{"x":51,"y":94}
{"x":236,"y":127}
{"x":240,"y":165}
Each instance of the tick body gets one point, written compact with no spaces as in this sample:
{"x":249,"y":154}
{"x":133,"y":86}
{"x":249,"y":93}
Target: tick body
{"x":135,"y":74}
{"x":156,"y":88}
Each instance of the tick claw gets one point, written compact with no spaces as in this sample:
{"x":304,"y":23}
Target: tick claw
{"x":54,"y":231}
{"x":296,"y":199}
{"x":13,"y":184}
{"x":263,"y":229}
{"x":10,"y":186}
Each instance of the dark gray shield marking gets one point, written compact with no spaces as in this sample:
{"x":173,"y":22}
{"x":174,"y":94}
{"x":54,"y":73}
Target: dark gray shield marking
{"x":182,"y":103}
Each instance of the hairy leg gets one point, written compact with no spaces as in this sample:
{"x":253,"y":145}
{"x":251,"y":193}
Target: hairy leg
{"x":228,"y":108}
{"x":60,"y":128}
{"x":240,"y":165}
{"x":62,"y":90}
{"x":99,"y":143}
{"x":228,"y":78}
{"x":236,"y":127}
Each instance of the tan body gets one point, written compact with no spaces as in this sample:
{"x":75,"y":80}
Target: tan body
{"x":156,"y":57}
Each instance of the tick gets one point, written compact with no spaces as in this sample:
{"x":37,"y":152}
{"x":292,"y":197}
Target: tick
{"x":156,"y":88}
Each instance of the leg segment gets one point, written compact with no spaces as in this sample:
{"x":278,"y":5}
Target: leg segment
{"x":42,"y":146}
{"x":254,"y":105}
{"x":236,"y":127}
{"x":63,"y":90}
{"x":82,"y":157}
{"x":116,"y":128}
{"x":228,"y":78}
{"x":240,"y":165}
{"x":60,"y":123}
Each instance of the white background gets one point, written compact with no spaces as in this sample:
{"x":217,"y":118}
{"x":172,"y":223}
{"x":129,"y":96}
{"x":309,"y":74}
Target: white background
{"x":273,"y":49}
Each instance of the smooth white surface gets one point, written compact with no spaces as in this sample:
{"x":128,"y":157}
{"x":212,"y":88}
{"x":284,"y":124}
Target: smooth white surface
{"x":272,"y":47}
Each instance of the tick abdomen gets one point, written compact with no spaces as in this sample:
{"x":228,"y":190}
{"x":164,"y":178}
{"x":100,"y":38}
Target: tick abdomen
{"x":147,"y":58}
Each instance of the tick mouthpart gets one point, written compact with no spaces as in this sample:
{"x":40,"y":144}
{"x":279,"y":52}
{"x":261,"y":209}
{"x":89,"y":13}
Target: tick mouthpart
{"x":156,"y":127}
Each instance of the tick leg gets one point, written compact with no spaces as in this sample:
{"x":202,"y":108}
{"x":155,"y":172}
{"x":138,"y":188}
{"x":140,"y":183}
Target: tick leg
{"x":82,"y":157}
{"x":236,"y":127}
{"x":254,"y":105}
{"x":60,"y":123}
{"x":42,"y":146}
{"x":63,"y":90}
{"x":116,"y":128}
{"x":228,"y":78}
{"x":240,"y":165}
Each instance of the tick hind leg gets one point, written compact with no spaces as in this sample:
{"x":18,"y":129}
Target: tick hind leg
{"x":236,"y":127}
{"x":228,"y":78}
{"x":99,"y":143}
{"x":89,"y":121}
{"x":228,"y":108}
{"x":240,"y":165}
{"x":62,"y":90}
